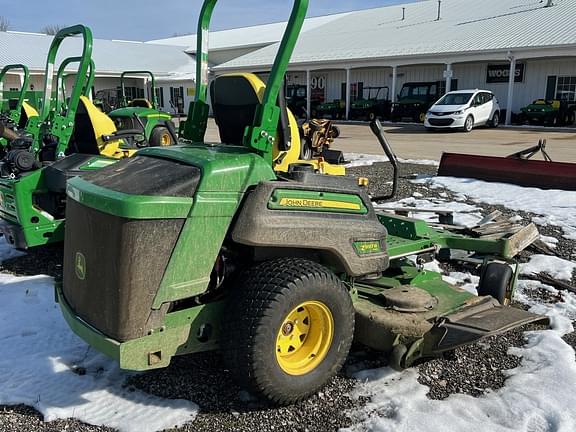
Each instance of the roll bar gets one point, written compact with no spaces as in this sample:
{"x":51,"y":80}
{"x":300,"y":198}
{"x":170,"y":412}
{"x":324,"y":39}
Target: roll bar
{"x":25,"y":83}
{"x":153,"y":84}
{"x":261,"y":135}
{"x":50,"y":93}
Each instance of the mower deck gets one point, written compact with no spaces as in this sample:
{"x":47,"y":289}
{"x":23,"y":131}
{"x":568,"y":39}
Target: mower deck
{"x":425,"y":316}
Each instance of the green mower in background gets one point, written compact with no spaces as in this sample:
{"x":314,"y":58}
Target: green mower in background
{"x":143,"y":113}
{"x":69,"y":137}
{"x":16,"y":106}
{"x":203,"y":246}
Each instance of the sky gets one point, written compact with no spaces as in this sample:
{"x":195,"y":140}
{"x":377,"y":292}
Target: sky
{"x":144,"y":20}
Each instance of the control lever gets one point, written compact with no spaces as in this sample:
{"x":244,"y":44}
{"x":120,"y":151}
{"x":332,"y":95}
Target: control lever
{"x":378,"y":130}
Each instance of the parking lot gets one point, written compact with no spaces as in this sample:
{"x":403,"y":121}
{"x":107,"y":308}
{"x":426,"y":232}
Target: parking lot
{"x":413,"y":142}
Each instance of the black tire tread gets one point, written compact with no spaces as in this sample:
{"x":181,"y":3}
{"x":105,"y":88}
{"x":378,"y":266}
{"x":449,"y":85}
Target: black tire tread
{"x":257,"y":289}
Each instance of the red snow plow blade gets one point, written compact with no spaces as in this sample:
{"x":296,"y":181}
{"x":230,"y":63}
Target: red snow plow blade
{"x":515,"y":169}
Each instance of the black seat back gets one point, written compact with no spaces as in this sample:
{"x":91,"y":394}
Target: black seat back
{"x":83,"y":137}
{"x":234,"y":102}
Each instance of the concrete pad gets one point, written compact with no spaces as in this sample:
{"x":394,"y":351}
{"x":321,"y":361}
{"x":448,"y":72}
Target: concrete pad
{"x":411,"y":141}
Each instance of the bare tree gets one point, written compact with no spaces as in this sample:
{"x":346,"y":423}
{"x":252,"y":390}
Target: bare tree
{"x":4,"y":24}
{"x":51,"y":29}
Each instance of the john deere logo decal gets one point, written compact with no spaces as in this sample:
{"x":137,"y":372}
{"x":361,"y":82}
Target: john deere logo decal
{"x":80,"y":266}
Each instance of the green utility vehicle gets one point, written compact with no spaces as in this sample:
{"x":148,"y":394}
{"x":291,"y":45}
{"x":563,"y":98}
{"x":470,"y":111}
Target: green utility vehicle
{"x":203,"y":246}
{"x":549,"y":112}
{"x":415,"y":99}
{"x":375,"y":105}
{"x":141,"y":113}
{"x":34,"y":171}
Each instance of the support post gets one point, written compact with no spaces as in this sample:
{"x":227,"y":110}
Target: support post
{"x":448,"y":75}
{"x":348,"y":95}
{"x":394,"y":82}
{"x":511,"y":81}
{"x":308,"y":95}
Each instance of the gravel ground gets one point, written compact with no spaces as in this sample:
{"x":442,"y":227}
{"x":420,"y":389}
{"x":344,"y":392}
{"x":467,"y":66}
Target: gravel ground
{"x":225,"y":407}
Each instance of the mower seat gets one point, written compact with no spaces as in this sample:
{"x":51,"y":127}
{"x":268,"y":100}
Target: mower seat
{"x":90,"y":126}
{"x":140,"y":103}
{"x":234,"y":101}
{"x":26,"y":112}
{"x":235,"y":98}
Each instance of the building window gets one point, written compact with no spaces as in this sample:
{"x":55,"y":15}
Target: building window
{"x":566,"y":88}
{"x":159,"y":91}
{"x":177,"y":99}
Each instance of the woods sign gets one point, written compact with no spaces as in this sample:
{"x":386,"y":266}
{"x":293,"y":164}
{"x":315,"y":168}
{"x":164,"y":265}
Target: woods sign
{"x":501,"y":73}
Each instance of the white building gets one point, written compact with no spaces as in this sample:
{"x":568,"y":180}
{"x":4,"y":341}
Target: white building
{"x":477,"y":43}
{"x":173,"y":68}
{"x":463,"y":43}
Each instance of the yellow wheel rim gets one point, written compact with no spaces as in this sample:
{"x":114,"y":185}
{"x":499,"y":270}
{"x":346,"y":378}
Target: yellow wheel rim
{"x":422,"y":117}
{"x":304,"y":338}
{"x":166,"y":139}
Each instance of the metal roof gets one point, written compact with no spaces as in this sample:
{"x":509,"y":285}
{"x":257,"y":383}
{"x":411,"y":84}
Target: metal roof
{"x":253,"y":36}
{"x":110,"y":57}
{"x":466,"y":26}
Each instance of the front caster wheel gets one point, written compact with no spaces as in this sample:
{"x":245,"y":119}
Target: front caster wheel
{"x":496,"y":281}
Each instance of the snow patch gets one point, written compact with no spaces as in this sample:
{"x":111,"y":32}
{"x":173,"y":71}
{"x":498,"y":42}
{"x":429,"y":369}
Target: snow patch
{"x":464,"y":214}
{"x":8,"y":252}
{"x":360,"y":159}
{"x":555,"y":207}
{"x":551,"y":242}
{"x":40,"y":353}
{"x":556,"y":267}
{"x":528,"y":401}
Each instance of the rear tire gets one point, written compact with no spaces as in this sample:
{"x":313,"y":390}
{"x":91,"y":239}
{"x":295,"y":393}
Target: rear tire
{"x":468,"y":124}
{"x":496,"y":281}
{"x":273,"y":302}
{"x":160,"y":137}
{"x":495,"y":122}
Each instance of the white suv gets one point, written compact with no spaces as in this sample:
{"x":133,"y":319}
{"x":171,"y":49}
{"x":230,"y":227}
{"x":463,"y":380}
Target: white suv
{"x":464,"y":109}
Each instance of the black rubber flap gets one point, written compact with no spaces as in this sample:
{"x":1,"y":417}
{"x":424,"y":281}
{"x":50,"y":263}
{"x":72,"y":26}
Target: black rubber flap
{"x":145,"y":175}
{"x":467,"y":329}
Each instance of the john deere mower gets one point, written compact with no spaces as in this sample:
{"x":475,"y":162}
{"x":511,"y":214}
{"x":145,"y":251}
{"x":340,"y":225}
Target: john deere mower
{"x":16,"y":110}
{"x":204,"y":246}
{"x":67,"y":138}
{"x":156,"y":126}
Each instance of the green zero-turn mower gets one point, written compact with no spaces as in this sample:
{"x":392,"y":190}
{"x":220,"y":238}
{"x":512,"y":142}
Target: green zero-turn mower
{"x":140,"y":113}
{"x":204,"y":246}
{"x":16,"y":110}
{"x":70,"y":136}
